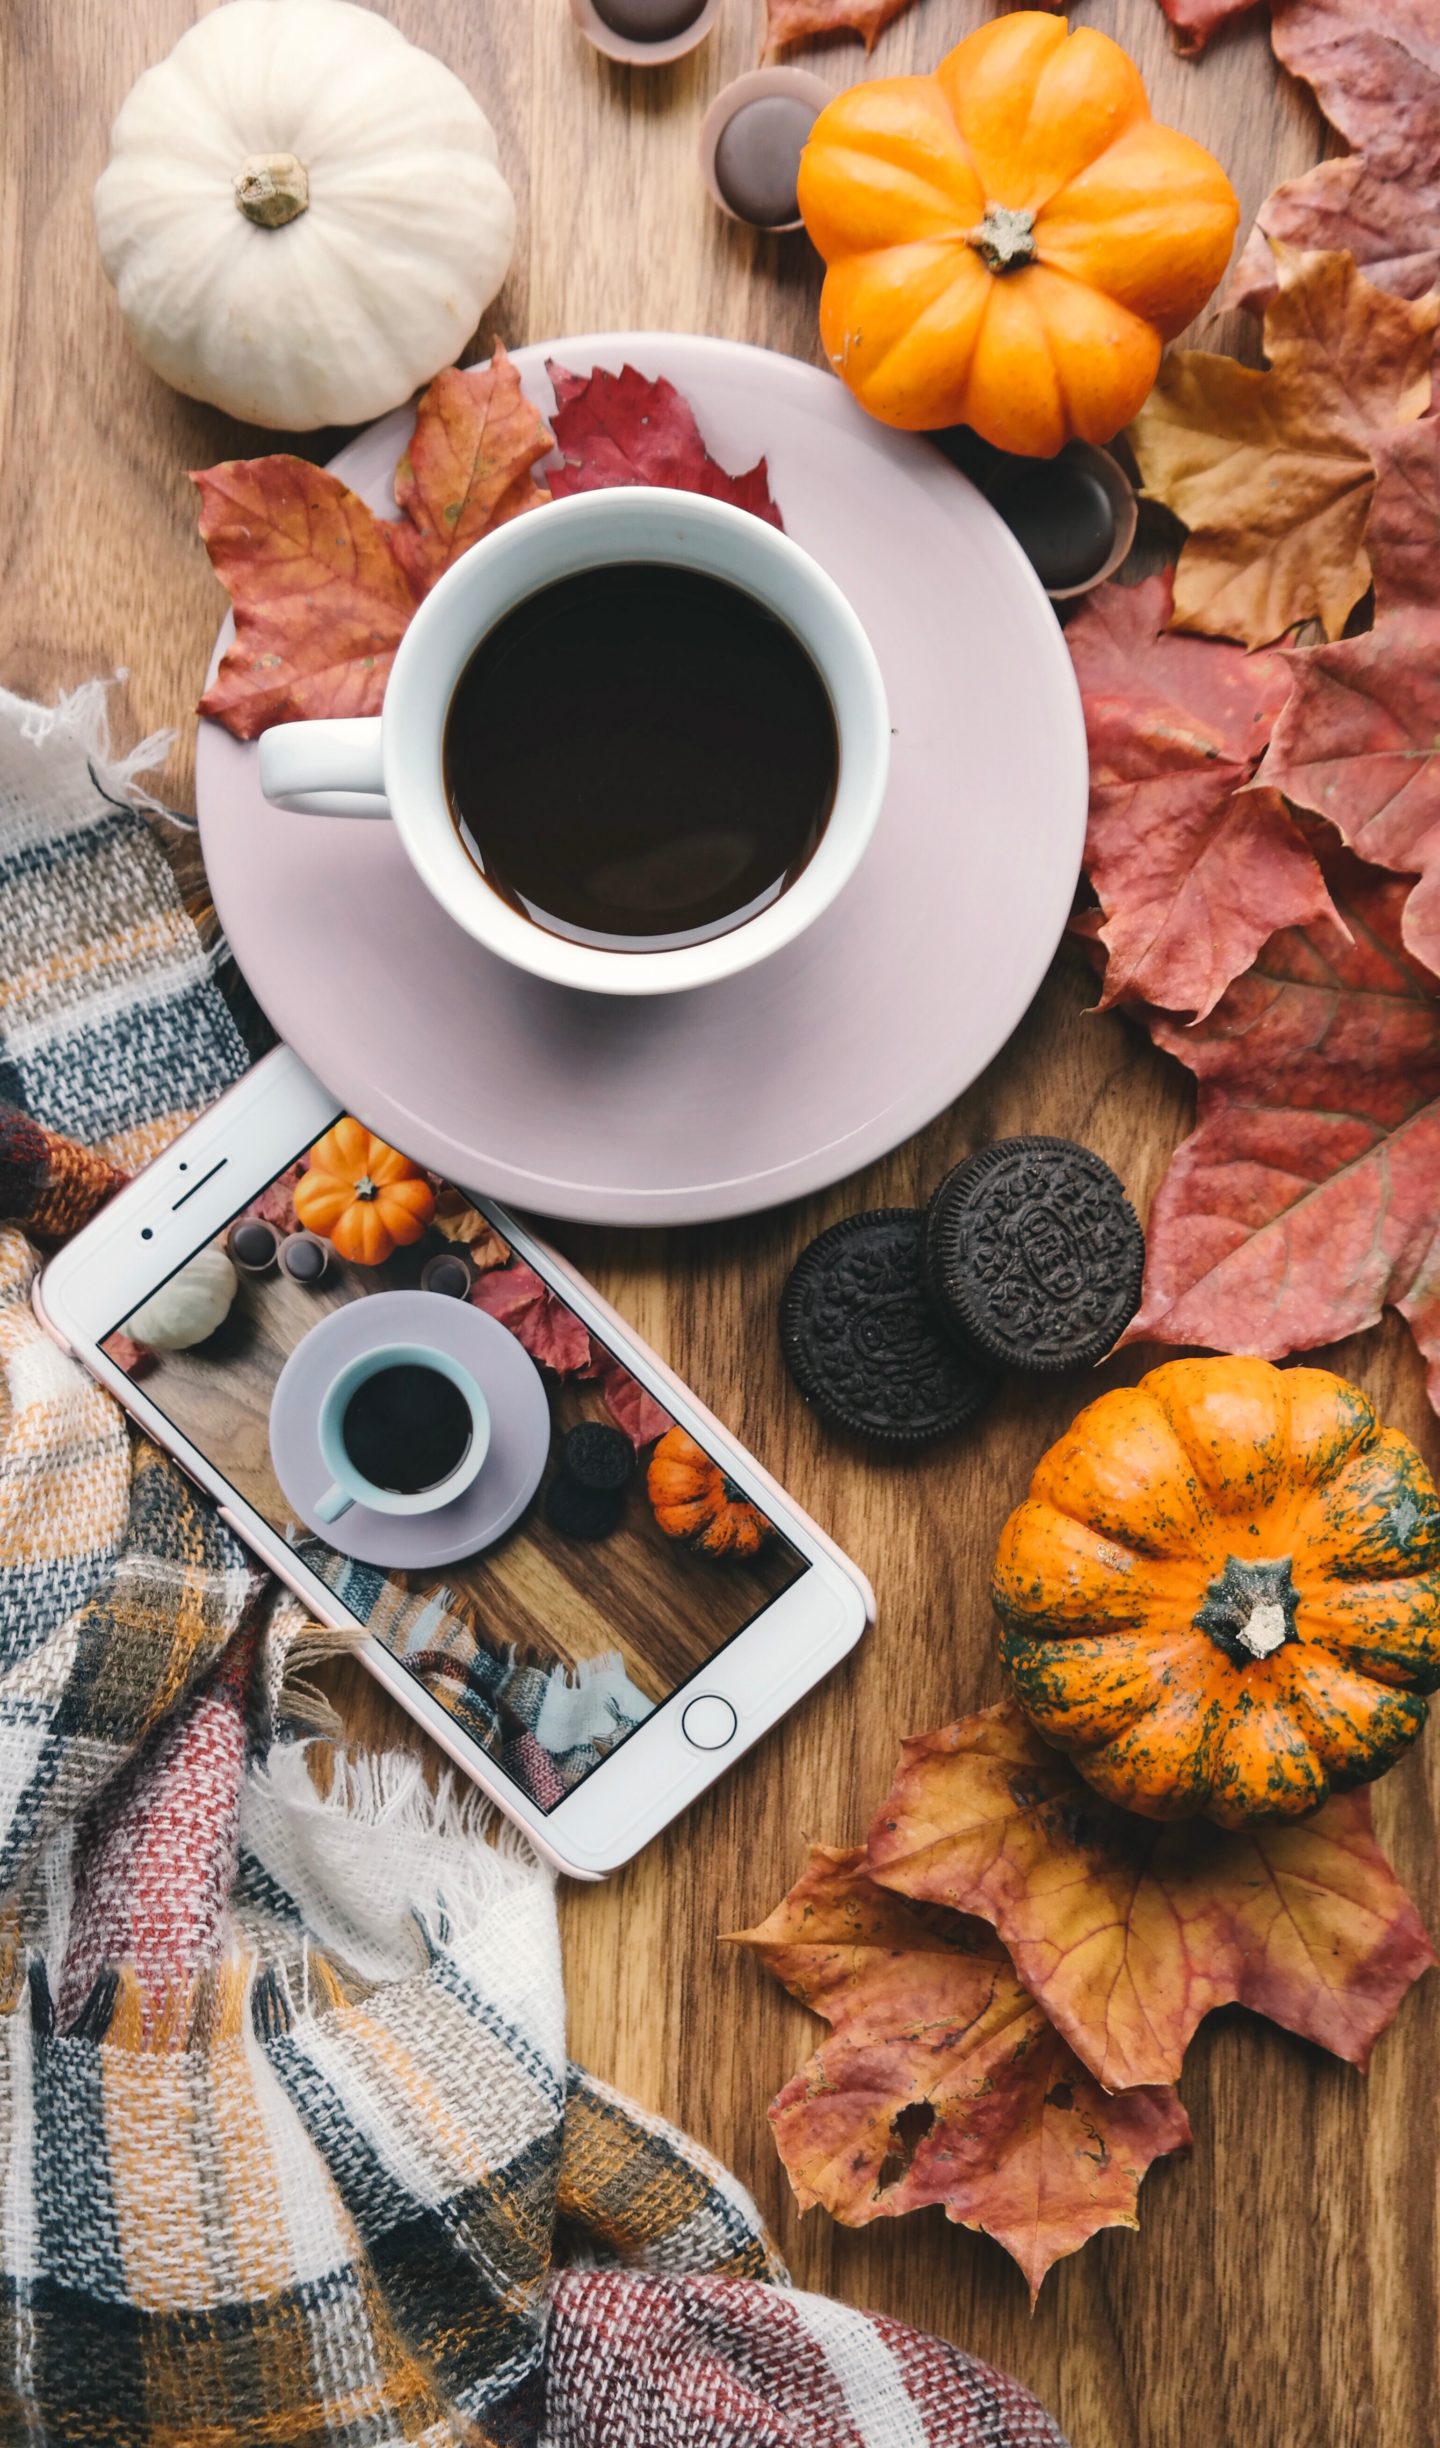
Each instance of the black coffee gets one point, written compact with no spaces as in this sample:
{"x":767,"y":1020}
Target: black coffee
{"x":640,"y":757}
{"x":406,"y":1428}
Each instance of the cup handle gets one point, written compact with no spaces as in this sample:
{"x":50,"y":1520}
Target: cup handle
{"x":332,"y":1504}
{"x":324,"y":768}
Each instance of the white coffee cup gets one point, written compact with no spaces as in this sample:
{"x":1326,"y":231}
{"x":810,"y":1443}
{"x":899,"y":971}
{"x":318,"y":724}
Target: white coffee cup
{"x":391,"y":764}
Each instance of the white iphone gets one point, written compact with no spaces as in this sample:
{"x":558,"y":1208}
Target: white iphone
{"x":432,"y":1429}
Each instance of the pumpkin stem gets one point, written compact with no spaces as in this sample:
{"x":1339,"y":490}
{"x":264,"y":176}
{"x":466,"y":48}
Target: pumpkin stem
{"x":271,"y":189}
{"x":1249,"y":1612}
{"x":365,"y":1188}
{"x":1005,"y":239}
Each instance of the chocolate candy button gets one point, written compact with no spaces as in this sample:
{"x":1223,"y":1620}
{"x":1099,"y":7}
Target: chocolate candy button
{"x":449,"y":1272}
{"x":252,"y":1244}
{"x":757,"y":159}
{"x":304,"y":1257}
{"x":1060,"y":513}
{"x":648,"y":20}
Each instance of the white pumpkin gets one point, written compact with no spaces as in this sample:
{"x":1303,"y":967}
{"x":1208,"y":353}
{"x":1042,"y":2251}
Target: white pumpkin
{"x":189,"y":1307}
{"x":303,"y":215}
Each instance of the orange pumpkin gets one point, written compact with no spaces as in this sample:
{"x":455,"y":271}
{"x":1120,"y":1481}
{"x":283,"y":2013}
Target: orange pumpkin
{"x":693,"y":1500}
{"x":364,"y":1197}
{"x":1010,"y":241}
{"x":1222,"y":1593}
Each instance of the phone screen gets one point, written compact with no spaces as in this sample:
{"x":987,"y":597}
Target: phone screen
{"x":445,"y":1443}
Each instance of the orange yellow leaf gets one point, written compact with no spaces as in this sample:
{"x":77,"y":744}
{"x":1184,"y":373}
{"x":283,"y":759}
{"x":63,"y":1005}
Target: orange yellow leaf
{"x":469,"y":467}
{"x":1272,"y":471}
{"x":942,"y":2081}
{"x":1128,"y":1932}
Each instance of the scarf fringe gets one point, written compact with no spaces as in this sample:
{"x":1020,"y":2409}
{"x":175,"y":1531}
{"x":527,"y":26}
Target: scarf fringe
{"x":83,"y":719}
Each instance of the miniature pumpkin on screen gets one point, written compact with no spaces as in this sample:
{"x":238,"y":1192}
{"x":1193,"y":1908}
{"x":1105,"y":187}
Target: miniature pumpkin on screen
{"x":303,"y":215}
{"x":693,"y":1500}
{"x":1222,"y":1594}
{"x":365,"y":1198}
{"x":1010,"y":241}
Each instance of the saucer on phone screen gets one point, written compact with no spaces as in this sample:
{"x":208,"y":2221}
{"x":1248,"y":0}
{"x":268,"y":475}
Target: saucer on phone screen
{"x":519,"y":1429}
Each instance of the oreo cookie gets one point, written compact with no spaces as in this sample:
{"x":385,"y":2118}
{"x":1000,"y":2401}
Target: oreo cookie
{"x":599,"y":1457}
{"x":1035,"y":1254}
{"x":579,"y":1512}
{"x":861,"y":1338}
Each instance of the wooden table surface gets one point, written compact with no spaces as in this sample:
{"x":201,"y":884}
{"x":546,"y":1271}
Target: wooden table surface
{"x":1282,"y":2290}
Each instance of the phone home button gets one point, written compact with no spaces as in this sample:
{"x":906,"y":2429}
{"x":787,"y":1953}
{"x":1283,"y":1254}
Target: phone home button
{"x":709,"y":1722}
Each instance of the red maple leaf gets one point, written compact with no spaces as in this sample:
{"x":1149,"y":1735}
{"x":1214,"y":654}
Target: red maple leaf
{"x":1305,"y":1200}
{"x":627,"y":1402}
{"x":323,"y":590}
{"x":549,"y":1331}
{"x":1193,"y":869}
{"x":623,"y":429}
{"x":1359,"y":740}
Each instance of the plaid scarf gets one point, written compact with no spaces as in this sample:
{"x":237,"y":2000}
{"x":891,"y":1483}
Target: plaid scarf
{"x":287,"y":2133}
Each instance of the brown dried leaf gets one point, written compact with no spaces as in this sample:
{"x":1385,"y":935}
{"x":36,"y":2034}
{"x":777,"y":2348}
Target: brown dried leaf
{"x":1375,"y":68}
{"x":943,"y":2083}
{"x":793,"y":21}
{"x":1272,"y":472}
{"x":1128,"y":1931}
{"x":1359,"y":739}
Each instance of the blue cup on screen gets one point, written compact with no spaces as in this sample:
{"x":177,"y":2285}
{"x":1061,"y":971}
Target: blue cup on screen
{"x":403,"y":1429}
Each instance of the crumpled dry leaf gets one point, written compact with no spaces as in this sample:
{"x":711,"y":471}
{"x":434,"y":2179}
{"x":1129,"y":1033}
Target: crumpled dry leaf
{"x":627,"y":1402}
{"x":623,"y":429}
{"x":1128,"y":1932}
{"x":1391,"y":226}
{"x":1193,"y":870}
{"x":549,"y":1331}
{"x":1272,"y":472}
{"x":942,"y":2082}
{"x":1305,"y":1200}
{"x":1375,"y":67}
{"x":323,"y":591}
{"x":459,"y":1220}
{"x":792,"y":21}
{"x":1359,"y":740}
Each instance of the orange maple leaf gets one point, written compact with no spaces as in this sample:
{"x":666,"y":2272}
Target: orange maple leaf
{"x":943,"y":2082}
{"x":323,"y":590}
{"x":1126,"y":1931}
{"x":1272,"y":472}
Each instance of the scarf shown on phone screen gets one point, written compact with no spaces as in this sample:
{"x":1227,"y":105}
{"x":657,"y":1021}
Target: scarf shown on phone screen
{"x":287,"y":2135}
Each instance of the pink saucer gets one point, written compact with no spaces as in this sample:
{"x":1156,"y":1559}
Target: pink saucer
{"x":514,"y":1464}
{"x":774,"y":1083}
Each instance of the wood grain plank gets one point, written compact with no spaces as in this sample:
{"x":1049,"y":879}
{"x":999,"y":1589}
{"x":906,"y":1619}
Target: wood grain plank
{"x":1282,"y":2290}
